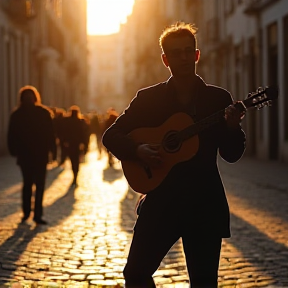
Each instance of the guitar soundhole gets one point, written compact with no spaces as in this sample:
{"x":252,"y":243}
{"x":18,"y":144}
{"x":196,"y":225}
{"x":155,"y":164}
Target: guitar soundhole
{"x":171,"y":142}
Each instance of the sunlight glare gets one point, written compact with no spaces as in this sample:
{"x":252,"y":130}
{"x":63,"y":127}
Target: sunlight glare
{"x":105,"y":16}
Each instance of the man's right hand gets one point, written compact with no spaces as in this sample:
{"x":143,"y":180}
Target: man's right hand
{"x":149,"y":155}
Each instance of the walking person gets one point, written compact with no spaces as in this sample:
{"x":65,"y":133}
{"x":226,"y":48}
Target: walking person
{"x":31,"y":139}
{"x":190,"y":201}
{"x":59,"y":128}
{"x":75,"y":138}
{"x":96,"y":129}
{"x":110,"y":117}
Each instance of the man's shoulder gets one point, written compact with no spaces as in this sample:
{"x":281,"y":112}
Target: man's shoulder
{"x":155,"y":88}
{"x":216,"y":88}
{"x":45,"y":110}
{"x":218,"y":91}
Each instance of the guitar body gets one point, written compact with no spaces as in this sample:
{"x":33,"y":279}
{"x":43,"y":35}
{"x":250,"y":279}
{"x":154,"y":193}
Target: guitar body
{"x":144,"y":179}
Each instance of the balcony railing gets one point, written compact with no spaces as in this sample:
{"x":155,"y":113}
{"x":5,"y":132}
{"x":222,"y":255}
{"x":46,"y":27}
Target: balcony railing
{"x":256,"y":6}
{"x":19,"y":10}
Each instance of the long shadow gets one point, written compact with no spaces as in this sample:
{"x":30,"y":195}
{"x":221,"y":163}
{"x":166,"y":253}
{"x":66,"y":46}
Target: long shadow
{"x":16,"y":244}
{"x":262,"y":198}
{"x":127,"y":205}
{"x":13,"y":247}
{"x":258,"y":192}
{"x":128,"y":214}
{"x":111,"y":174}
{"x":14,"y":200}
{"x":261,"y":251}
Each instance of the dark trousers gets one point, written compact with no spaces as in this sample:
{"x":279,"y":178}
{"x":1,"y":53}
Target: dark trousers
{"x":63,"y":152}
{"x":35,"y":174}
{"x":148,"y":250}
{"x":74,"y":156}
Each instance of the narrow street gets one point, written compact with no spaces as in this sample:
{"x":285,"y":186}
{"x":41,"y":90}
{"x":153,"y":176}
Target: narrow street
{"x":90,"y":227}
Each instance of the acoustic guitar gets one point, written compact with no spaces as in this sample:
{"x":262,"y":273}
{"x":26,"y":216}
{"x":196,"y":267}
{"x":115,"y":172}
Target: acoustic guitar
{"x":177,"y":140}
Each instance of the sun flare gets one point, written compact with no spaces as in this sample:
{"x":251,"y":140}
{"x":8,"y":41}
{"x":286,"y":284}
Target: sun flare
{"x":105,"y":16}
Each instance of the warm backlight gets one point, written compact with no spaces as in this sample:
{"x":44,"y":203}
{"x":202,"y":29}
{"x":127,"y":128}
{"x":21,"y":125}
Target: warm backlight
{"x":105,"y":16}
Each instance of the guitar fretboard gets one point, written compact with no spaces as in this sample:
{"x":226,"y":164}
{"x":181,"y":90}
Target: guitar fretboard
{"x":201,"y":125}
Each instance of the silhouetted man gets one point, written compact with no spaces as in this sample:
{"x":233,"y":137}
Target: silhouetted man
{"x":188,"y":199}
{"x":31,"y":138}
{"x":75,"y":138}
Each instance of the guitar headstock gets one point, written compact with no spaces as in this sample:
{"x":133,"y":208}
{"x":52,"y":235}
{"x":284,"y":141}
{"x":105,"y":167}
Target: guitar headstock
{"x":261,"y":97}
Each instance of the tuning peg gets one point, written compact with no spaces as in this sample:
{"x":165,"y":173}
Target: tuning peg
{"x":260,"y":106}
{"x":260,"y":90}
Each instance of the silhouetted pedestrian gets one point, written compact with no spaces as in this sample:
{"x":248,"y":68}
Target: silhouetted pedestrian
{"x":110,"y":118}
{"x":96,"y":129}
{"x":59,"y":127}
{"x":31,"y":138}
{"x":75,"y":138}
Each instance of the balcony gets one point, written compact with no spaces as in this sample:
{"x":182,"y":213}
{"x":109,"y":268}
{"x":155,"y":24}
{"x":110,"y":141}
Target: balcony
{"x":19,"y":10}
{"x":257,"y":6}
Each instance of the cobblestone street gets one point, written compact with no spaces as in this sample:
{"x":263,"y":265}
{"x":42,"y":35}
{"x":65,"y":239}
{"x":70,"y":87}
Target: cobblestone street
{"x":90,"y":228}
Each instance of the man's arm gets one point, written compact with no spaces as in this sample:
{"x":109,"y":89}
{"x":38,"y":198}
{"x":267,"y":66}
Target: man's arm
{"x":116,"y":138}
{"x":12,"y":136}
{"x":51,"y":135}
{"x":233,"y":138}
{"x":117,"y":141}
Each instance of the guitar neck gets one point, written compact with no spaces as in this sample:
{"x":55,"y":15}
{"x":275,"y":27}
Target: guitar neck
{"x":207,"y":122}
{"x":202,"y":125}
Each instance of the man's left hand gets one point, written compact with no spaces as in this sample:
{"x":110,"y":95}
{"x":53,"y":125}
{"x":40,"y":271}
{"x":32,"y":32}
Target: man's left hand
{"x":233,"y":116}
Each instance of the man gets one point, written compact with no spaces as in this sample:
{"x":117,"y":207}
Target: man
{"x":75,"y":138}
{"x":109,"y":119}
{"x":96,"y":123}
{"x":31,"y":139}
{"x":190,"y":202}
{"x":59,"y":128}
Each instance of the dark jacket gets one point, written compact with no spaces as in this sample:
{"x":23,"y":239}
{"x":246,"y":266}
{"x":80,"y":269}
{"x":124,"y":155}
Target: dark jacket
{"x":192,"y":194}
{"x":76,"y":133}
{"x":31,"y":135}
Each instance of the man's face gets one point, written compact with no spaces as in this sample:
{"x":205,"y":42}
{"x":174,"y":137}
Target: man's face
{"x":180,"y":56}
{"x":28,"y":97}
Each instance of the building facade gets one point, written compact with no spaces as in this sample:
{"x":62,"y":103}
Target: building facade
{"x":106,"y":72}
{"x":42,"y":43}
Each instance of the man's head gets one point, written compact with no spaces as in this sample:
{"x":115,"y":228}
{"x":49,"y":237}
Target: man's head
{"x":60,"y":112}
{"x":75,"y":111}
{"x":179,"y":49}
{"x":29,"y":95}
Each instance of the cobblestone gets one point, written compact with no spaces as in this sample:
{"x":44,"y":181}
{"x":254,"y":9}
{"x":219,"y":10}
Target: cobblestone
{"x":90,"y":229}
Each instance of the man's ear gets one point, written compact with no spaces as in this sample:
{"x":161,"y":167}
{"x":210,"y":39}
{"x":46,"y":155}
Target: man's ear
{"x":197,"y":55}
{"x":164,"y":60}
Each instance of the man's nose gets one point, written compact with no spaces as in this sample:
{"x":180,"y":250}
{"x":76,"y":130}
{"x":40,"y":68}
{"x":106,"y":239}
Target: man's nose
{"x":184,"y":54}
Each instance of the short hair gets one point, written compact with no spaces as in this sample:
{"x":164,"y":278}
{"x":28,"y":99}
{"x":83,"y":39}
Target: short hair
{"x":29,"y":94}
{"x":175,"y":30}
{"x":75,"y":111}
{"x":74,"y":108}
{"x":60,"y":111}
